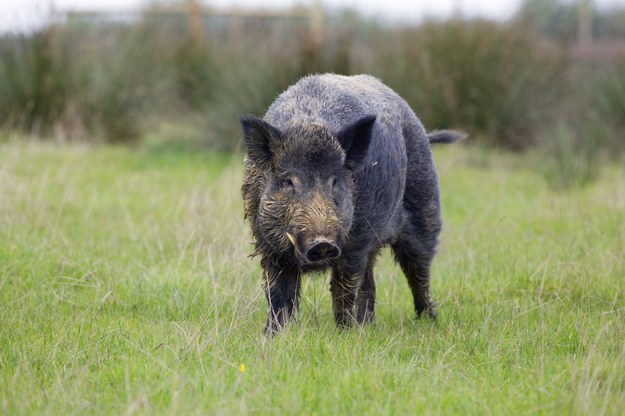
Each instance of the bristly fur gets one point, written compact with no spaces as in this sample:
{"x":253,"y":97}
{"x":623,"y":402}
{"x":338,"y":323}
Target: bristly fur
{"x":345,"y":162}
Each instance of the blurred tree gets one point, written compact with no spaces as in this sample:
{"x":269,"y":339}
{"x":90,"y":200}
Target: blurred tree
{"x":550,"y":17}
{"x":561,"y":20}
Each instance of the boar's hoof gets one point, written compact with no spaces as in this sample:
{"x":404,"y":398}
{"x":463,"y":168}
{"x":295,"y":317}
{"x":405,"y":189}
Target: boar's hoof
{"x":272,"y":329}
{"x":429,"y":311}
{"x":344,"y":321}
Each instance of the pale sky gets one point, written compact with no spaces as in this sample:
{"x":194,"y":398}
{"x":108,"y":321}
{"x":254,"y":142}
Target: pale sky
{"x":20,"y":14}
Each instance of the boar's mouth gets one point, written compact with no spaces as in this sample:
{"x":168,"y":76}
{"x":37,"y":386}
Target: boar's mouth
{"x":318,"y":250}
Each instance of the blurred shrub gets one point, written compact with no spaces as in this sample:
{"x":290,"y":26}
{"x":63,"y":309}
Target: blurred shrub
{"x":588,"y":130}
{"x":503,"y":85}
{"x":36,"y":82}
{"x":569,"y":156}
{"x":125,"y":78}
{"x":73,"y":84}
{"x":250,"y":72}
{"x":496,"y":81}
{"x":559,"y":19}
{"x":194,"y":64}
{"x":251,"y":67}
{"x":606,"y":103}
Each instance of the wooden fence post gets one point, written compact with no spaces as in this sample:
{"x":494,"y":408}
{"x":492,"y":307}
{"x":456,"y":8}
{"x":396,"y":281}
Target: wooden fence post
{"x":317,"y":24}
{"x":195,"y":21}
{"x":584,"y":26}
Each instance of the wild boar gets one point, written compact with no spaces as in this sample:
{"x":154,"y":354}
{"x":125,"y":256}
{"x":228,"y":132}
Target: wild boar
{"x":338,"y":168}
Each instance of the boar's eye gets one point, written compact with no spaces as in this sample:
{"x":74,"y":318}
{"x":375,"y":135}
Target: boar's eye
{"x":336,"y":190}
{"x":290,"y":184}
{"x":334,"y":184}
{"x":287,"y":184}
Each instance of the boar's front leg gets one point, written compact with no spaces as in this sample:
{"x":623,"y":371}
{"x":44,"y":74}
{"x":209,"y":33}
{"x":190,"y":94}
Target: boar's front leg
{"x":365,"y":300}
{"x":282,"y":291}
{"x":344,"y":285}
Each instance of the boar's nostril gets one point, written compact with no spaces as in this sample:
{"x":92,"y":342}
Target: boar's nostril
{"x":322,"y":250}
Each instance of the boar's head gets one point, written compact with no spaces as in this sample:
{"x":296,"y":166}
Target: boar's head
{"x":305,"y":207}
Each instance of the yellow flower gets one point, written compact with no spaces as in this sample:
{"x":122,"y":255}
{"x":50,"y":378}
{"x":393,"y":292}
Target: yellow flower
{"x":242,"y":368}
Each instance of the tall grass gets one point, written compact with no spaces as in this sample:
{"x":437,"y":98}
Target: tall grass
{"x":125,"y":288}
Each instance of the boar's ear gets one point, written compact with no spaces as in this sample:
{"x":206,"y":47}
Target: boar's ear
{"x":260,"y":139}
{"x":355,"y":140}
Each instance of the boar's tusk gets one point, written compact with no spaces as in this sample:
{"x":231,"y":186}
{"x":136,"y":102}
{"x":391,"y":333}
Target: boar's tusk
{"x":291,"y":238}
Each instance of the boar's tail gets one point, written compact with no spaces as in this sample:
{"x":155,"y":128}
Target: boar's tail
{"x":446,"y":136}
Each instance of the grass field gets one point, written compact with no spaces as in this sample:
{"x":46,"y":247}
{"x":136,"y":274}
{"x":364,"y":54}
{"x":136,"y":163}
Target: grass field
{"x":125,"y":288}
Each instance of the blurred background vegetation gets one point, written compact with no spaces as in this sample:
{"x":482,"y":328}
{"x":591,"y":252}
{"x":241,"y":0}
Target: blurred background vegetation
{"x":549,"y":82}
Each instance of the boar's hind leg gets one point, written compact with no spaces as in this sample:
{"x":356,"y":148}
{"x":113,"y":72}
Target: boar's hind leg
{"x":282,"y":291}
{"x":416,"y":267}
{"x":415,"y":261}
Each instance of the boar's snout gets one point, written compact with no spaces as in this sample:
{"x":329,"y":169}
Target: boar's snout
{"x":320,"y":250}
{"x":315,"y":250}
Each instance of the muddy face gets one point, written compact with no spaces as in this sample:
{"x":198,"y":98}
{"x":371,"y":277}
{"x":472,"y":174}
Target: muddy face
{"x":305,"y":207}
{"x":310,"y":211}
{"x":307,"y":204}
